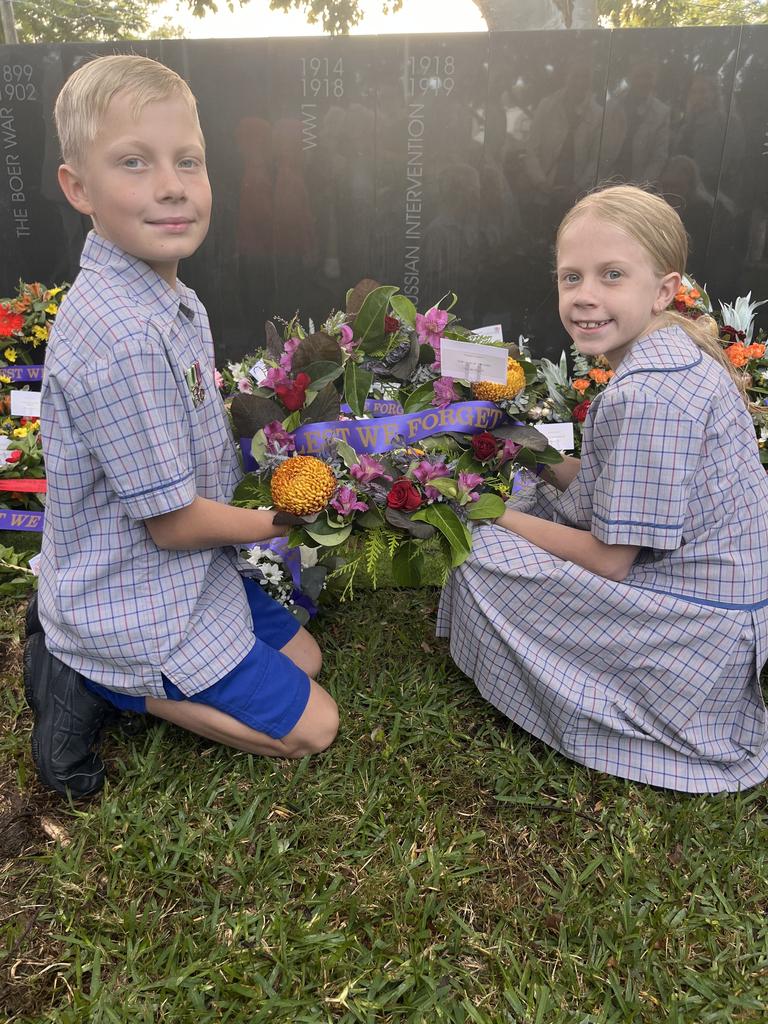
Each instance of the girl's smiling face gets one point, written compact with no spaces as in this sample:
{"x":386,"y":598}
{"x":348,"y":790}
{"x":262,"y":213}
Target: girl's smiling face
{"x":610,"y":292}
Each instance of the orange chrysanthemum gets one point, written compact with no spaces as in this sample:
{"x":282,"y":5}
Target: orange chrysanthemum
{"x":755,"y":350}
{"x":303,"y":485}
{"x":490,"y":392}
{"x":580,"y":385}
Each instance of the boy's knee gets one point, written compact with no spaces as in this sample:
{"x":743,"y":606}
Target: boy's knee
{"x":317,"y":735}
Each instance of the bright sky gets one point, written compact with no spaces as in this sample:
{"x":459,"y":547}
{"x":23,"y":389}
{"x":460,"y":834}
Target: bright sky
{"x":256,"y":19}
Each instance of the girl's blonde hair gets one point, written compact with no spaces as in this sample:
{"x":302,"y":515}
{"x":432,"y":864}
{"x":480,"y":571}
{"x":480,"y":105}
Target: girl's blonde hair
{"x":652,"y":222}
{"x":87,"y":93}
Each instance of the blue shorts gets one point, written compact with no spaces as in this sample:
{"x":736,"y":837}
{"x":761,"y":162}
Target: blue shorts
{"x":266,"y":691}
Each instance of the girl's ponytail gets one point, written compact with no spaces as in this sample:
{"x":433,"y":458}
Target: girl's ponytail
{"x":704,"y":333}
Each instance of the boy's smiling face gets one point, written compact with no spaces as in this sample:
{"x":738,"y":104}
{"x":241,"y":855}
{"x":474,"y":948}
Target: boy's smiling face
{"x":144,"y":182}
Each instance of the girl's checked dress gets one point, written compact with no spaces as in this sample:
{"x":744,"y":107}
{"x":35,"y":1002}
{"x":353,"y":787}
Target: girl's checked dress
{"x":656,"y":678}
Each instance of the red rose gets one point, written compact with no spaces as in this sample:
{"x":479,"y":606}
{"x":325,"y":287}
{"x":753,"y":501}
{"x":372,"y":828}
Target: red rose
{"x":14,"y":456}
{"x":391,"y":324}
{"x":294,"y":393}
{"x":580,"y":411}
{"x":484,"y":446}
{"x":404,"y":496}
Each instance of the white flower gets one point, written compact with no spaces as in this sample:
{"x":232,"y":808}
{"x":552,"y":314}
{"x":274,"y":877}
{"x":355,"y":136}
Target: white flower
{"x":271,"y":573}
{"x":741,"y":314}
{"x":308,"y":556}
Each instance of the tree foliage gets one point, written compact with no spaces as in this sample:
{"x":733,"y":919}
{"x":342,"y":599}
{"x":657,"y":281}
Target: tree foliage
{"x":338,"y":16}
{"x":660,"y":13}
{"x":61,"y":21}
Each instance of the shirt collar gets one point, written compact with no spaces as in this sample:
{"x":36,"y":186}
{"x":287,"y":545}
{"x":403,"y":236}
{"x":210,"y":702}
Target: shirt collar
{"x":666,"y":350}
{"x":101,"y":255}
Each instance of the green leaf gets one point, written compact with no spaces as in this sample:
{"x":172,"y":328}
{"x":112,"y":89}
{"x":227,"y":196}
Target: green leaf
{"x":324,"y":407}
{"x":549,"y":457}
{"x":402,"y":521}
{"x":252,"y":492}
{"x":445,"y":485}
{"x":250,"y":413}
{"x":403,"y":309}
{"x":369,"y":322}
{"x":448,"y":523}
{"x":324,"y":533}
{"x":317,"y":348}
{"x":357,"y":384}
{"x":407,"y":565}
{"x":322,"y":372}
{"x":422,"y":398}
{"x":347,"y":453}
{"x":528,"y":437}
{"x":487,"y":506}
{"x":403,"y":369}
{"x":259,"y":446}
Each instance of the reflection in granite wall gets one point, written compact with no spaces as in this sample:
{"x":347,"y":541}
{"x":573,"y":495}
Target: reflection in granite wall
{"x":436,"y":163}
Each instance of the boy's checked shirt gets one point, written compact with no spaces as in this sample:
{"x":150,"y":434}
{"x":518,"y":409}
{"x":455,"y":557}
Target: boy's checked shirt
{"x":134,"y":427}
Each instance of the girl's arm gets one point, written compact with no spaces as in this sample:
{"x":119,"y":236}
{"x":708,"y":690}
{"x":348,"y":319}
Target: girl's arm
{"x":562,"y":473}
{"x":212,"y":524}
{"x":613,"y":561}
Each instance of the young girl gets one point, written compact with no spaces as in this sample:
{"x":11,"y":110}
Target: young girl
{"x":625,"y":621}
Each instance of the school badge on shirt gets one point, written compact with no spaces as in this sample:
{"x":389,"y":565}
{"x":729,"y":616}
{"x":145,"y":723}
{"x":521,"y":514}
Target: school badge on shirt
{"x":194,"y":379}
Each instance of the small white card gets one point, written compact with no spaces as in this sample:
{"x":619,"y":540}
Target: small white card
{"x":464,"y":360}
{"x":494,"y":332}
{"x":559,"y":435}
{"x":34,"y":563}
{"x":5,"y":444}
{"x":25,"y":403}
{"x":259,"y":370}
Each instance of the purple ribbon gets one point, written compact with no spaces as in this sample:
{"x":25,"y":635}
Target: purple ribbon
{"x":33,"y":374}
{"x":378,"y":407}
{"x":374,"y":436}
{"x":13,"y":519}
{"x":378,"y":435}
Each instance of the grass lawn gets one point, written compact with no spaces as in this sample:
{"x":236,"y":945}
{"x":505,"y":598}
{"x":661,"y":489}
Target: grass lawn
{"x":435,"y":865}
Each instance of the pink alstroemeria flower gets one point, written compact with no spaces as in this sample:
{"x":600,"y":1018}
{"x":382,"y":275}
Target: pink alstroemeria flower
{"x":218,"y":380}
{"x":466,"y":482}
{"x":431,"y":325}
{"x":245,"y":386}
{"x":276,"y":377}
{"x":426,"y":471}
{"x":509,"y":451}
{"x":286,"y":359}
{"x":347,"y":339}
{"x":445,"y":393}
{"x":345,"y":501}
{"x":367,"y":470}
{"x":279,"y":440}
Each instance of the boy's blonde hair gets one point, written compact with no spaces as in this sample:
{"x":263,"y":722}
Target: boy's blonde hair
{"x":87,"y":93}
{"x":652,"y":222}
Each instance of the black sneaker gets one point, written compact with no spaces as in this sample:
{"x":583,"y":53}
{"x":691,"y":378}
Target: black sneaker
{"x":68,"y":722}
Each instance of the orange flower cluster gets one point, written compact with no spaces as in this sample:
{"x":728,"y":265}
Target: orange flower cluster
{"x":580,"y":385}
{"x":687,"y":297}
{"x":600,"y":376}
{"x":739,"y":355}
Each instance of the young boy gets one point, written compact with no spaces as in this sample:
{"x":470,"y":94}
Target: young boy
{"x":140,"y":602}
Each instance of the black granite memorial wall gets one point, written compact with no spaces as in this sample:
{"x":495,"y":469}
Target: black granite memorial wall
{"x":435,"y":163}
